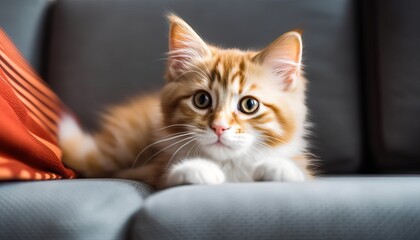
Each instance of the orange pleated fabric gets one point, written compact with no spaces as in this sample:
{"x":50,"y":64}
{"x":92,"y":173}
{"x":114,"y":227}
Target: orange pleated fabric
{"x":29,"y":114}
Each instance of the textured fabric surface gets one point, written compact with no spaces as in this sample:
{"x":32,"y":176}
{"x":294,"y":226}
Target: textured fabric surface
{"x":69,"y":209}
{"x":30,"y":112}
{"x":396,"y":85}
{"x":26,"y":21}
{"x":102,"y":52}
{"x":336,"y":208}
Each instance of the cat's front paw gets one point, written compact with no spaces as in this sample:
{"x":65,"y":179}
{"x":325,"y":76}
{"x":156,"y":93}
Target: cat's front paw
{"x":194,"y":171}
{"x":278,"y":170}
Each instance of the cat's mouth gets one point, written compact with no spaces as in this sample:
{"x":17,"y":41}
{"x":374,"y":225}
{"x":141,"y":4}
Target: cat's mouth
{"x":219,"y":143}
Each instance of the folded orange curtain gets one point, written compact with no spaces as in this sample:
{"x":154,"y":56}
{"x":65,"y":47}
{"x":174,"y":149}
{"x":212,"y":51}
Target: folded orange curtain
{"x":29,"y":114}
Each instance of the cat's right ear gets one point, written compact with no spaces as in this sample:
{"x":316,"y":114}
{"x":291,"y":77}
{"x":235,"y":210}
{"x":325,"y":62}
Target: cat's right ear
{"x":185,"y":46}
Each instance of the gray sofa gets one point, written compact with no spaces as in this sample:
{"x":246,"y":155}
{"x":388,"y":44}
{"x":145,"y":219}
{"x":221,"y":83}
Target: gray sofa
{"x":361,"y":60}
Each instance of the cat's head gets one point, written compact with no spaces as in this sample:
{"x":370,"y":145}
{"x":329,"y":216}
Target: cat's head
{"x":231,"y":102}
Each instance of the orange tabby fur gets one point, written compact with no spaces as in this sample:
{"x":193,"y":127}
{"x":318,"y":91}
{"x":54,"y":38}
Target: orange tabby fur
{"x":136,"y":126}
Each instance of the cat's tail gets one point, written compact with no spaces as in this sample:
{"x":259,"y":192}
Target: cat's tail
{"x":80,"y":150}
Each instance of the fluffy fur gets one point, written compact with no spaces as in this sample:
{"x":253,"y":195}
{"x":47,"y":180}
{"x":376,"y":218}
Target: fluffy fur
{"x":166,"y":140}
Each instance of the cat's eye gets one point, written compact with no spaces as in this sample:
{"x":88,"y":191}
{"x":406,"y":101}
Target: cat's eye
{"x":202,"y":100}
{"x":248,"y":105}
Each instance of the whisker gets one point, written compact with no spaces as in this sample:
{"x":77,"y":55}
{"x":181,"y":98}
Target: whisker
{"x":147,"y":160}
{"x":160,"y":59}
{"x":175,"y":125}
{"x":174,"y":154}
{"x":163,"y":140}
{"x":195,"y":150}
{"x":191,"y":148}
{"x":173,"y":134}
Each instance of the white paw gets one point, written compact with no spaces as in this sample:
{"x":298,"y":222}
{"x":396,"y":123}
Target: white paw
{"x":195,"y":171}
{"x":278,"y":170}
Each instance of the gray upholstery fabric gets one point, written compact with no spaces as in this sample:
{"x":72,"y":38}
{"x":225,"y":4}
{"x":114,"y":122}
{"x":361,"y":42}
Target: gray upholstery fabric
{"x":25,"y":21}
{"x":349,"y":208}
{"x":103,"y":52}
{"x":69,"y":209}
{"x":397,"y":98}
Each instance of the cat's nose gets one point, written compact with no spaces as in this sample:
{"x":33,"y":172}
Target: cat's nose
{"x":219,"y":129}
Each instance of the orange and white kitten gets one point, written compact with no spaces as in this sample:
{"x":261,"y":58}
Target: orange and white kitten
{"x":224,"y":115}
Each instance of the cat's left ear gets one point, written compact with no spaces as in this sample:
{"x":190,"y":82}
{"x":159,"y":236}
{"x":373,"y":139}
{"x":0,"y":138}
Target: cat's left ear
{"x":283,"y":57}
{"x":185,"y":46}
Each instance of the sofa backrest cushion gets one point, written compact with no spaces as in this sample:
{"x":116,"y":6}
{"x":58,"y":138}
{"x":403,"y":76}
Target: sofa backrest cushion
{"x":395,"y":85}
{"x":25,"y":21}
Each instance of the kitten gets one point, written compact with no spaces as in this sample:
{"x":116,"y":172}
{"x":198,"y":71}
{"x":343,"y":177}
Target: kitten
{"x":224,"y":115}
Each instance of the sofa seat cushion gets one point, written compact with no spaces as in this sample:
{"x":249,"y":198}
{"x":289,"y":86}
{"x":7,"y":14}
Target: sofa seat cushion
{"x":69,"y":209}
{"x":334,"y":208}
